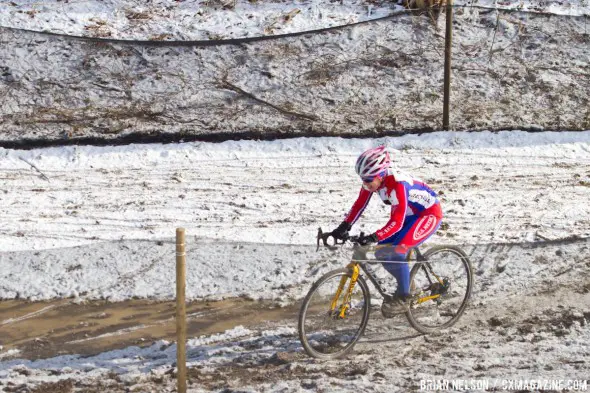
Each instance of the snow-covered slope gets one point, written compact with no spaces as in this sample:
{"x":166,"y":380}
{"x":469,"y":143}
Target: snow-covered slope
{"x":510,"y":71}
{"x":97,"y":222}
{"x":256,"y":204}
{"x":219,"y":19}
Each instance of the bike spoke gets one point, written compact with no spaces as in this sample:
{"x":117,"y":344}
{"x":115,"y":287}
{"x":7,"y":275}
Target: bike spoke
{"x":444,"y":287}
{"x":327,"y":332}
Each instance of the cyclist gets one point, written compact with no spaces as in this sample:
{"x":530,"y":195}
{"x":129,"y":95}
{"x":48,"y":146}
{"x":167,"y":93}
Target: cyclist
{"x":415,"y":216}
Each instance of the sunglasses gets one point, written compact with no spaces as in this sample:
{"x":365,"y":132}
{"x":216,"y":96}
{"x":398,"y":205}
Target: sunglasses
{"x":371,"y":178}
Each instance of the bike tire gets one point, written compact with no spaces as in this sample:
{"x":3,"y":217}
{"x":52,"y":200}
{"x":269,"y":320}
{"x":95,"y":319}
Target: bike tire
{"x":315,"y":310}
{"x":419,"y":314}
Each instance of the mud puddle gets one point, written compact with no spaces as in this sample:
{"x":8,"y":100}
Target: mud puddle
{"x":46,"y":329}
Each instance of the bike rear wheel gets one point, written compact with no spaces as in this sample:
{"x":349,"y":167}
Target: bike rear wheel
{"x":326,"y":332}
{"x":440,"y":289}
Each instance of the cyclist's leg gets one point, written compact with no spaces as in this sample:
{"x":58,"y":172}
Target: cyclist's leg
{"x":396,"y":254}
{"x":415,"y":231}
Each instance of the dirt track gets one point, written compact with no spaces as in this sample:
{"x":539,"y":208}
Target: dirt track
{"x":47,"y":329}
{"x":500,"y":330}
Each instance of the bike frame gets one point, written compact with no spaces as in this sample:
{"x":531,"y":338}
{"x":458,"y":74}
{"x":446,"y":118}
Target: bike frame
{"x":359,"y":263}
{"x":333,"y":342}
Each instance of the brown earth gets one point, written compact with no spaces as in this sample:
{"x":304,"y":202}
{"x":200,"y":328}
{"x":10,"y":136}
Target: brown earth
{"x":46,"y":329}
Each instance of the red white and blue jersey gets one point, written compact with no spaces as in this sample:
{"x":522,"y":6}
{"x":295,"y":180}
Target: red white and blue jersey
{"x":408,"y":196}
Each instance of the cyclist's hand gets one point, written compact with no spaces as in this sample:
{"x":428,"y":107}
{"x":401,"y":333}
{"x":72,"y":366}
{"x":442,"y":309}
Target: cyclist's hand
{"x":368,"y":239}
{"x":342,"y":231}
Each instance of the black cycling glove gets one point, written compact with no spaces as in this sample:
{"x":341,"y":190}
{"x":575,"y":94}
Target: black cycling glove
{"x":368,"y":239}
{"x":342,"y":231}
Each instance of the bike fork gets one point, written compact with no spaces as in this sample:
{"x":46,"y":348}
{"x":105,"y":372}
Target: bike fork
{"x":354,"y":267}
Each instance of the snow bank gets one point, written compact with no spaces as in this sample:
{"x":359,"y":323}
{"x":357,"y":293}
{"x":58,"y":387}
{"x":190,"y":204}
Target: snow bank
{"x":97,"y":222}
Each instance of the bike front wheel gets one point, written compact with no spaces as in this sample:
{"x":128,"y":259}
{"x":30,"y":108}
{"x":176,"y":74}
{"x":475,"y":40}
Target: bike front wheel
{"x":440,"y":289}
{"x":331,"y":321}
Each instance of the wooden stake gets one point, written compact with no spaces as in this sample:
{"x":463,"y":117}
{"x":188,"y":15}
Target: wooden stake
{"x":180,"y":310}
{"x":447,"y":83}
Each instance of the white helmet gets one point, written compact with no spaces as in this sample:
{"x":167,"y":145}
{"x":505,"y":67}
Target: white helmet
{"x":372,"y":162}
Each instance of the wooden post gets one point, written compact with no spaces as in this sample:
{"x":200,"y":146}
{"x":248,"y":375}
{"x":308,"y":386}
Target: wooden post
{"x":180,"y":310}
{"x":447,"y":83}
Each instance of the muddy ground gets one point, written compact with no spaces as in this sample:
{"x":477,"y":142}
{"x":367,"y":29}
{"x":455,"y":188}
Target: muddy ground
{"x":487,"y":343}
{"x":47,"y":329}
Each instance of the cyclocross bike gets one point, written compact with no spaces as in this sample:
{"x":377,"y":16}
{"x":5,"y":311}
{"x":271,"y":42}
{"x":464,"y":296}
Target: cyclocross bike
{"x":335,"y":312}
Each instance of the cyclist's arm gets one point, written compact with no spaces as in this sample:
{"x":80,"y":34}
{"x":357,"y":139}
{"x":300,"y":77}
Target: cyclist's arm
{"x":358,"y":207}
{"x":398,"y":213}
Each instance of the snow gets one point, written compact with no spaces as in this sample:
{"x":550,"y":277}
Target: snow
{"x":98,"y":222}
{"x":88,"y":222}
{"x":220,"y":19}
{"x":9,"y":353}
{"x":225,"y":360}
{"x":510,"y":71}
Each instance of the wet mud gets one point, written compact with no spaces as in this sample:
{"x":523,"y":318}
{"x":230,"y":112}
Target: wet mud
{"x":46,"y":329}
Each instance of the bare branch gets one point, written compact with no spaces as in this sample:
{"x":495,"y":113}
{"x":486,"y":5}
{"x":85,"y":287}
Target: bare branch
{"x":239,"y":90}
{"x":35,"y":167}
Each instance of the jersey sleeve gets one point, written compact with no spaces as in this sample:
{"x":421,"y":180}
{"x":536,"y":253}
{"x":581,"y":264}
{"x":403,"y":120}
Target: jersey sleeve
{"x":358,"y":207}
{"x":398,"y":213}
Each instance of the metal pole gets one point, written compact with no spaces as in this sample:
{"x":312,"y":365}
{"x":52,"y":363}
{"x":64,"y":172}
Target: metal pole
{"x":447,"y":84}
{"x":180,"y":310}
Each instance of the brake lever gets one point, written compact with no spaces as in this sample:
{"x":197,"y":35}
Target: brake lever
{"x":324,"y":238}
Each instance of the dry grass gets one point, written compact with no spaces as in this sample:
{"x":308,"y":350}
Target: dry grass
{"x":432,"y":8}
{"x":137,"y":16}
{"x":99,"y":28}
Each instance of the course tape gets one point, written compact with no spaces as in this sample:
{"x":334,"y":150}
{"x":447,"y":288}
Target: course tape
{"x":239,"y":41}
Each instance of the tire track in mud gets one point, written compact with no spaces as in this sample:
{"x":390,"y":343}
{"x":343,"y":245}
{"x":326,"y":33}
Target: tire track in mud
{"x":98,"y":325}
{"x":506,"y":332}
{"x":488,"y":342}
{"x":390,"y":353}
